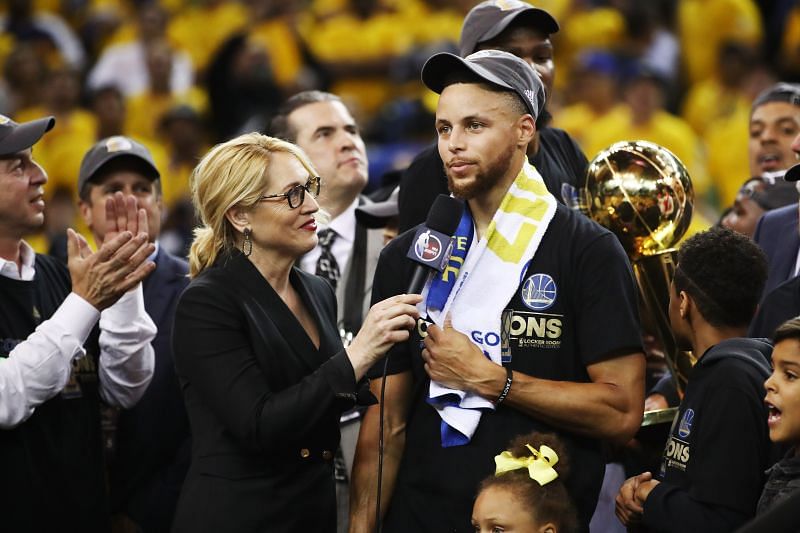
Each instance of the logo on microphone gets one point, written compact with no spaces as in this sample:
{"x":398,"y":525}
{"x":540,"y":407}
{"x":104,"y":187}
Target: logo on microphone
{"x":539,"y":292}
{"x":428,"y":246}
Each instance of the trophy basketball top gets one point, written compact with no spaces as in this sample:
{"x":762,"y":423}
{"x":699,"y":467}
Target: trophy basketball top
{"x":642,"y":193}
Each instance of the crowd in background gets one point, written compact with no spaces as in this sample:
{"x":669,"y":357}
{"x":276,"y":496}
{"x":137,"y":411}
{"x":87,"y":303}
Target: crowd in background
{"x":181,"y":75}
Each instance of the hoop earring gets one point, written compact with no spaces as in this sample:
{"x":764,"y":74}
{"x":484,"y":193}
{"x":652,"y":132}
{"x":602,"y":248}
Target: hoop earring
{"x":247,"y":245}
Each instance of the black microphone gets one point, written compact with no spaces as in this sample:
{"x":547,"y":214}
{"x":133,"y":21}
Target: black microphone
{"x":433,"y":241}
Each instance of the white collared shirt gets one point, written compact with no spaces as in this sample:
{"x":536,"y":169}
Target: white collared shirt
{"x":345,"y":227}
{"x":38,"y":368}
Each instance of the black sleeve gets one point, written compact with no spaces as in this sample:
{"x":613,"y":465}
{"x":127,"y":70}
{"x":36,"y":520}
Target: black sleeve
{"x":391,"y":276}
{"x":607,"y":305}
{"x":671,"y":510}
{"x":420,"y":184}
{"x":214,"y":357}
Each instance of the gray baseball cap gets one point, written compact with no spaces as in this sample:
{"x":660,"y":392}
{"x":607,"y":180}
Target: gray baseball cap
{"x":493,"y":66}
{"x":15,"y":137}
{"x":112,"y":148}
{"x":488,"y":19}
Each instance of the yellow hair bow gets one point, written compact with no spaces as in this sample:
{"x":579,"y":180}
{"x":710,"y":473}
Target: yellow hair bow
{"x":539,"y":464}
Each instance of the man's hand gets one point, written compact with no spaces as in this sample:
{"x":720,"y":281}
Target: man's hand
{"x":122,"y":215}
{"x":631,"y":497}
{"x":454,"y":361}
{"x":102,"y":277}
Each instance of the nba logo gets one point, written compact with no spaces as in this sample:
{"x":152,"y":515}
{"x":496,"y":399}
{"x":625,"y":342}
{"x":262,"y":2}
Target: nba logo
{"x":428,"y":246}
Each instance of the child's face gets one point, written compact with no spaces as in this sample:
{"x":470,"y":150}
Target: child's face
{"x":783,"y":393}
{"x":499,"y":509}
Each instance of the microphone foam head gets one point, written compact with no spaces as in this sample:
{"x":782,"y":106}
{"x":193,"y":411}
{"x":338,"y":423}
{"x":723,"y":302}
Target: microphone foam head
{"x":445,"y":214}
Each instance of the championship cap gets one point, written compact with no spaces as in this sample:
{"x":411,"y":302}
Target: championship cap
{"x":15,"y":137}
{"x":493,"y":66}
{"x":112,"y":148}
{"x":488,"y":19}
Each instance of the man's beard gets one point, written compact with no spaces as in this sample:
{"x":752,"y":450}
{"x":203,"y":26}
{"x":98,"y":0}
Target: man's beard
{"x":484,"y":181}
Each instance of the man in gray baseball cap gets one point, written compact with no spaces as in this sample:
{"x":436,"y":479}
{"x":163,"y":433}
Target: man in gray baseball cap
{"x":523,"y":30}
{"x":57,"y":364}
{"x":146,"y":474}
{"x":546,"y":381}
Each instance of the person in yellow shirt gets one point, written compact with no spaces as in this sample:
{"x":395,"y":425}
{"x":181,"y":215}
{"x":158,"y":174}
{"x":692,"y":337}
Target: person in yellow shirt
{"x":146,"y":108}
{"x":643,"y":117}
{"x":596,"y":89}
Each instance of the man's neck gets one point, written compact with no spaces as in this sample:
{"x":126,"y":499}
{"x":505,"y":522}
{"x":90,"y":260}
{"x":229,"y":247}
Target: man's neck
{"x":11,"y":250}
{"x":336,"y":205}
{"x":705,"y":336}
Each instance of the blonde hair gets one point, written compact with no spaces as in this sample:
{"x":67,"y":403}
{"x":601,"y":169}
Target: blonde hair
{"x":230,"y":174}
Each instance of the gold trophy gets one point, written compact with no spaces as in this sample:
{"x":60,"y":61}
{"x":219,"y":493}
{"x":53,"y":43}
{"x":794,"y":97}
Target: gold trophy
{"x":642,"y":193}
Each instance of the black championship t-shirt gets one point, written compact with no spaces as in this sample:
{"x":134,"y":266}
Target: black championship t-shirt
{"x":559,"y":160}
{"x":52,"y":463}
{"x":587,"y":314}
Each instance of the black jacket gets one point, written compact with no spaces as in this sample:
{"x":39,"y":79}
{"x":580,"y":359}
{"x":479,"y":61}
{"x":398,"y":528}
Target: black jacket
{"x":713,"y":466}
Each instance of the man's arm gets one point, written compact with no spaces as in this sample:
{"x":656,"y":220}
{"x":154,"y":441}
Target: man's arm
{"x":38,"y":368}
{"x":364,"y":482}
{"x":127,"y":359}
{"x":610,"y":407}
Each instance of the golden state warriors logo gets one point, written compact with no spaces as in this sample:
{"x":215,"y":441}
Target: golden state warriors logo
{"x":428,"y":246}
{"x":539,"y":292}
{"x":685,"y":427}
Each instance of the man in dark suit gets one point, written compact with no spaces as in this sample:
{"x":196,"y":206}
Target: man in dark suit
{"x":152,"y":445}
{"x":777,"y":234}
{"x":347,"y":253}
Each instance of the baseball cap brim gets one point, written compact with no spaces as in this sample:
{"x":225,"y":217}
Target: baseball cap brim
{"x":375,"y":215}
{"x":793,"y":174}
{"x":25,"y":135}
{"x":439,"y":68}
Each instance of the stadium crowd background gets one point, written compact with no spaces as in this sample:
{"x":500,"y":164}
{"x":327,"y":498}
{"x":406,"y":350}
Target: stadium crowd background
{"x":181,"y":75}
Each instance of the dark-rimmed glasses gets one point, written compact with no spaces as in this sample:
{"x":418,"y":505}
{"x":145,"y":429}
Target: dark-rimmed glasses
{"x":297,"y":194}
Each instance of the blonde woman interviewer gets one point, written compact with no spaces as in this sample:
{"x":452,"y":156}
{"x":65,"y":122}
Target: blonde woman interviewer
{"x":257,"y":352}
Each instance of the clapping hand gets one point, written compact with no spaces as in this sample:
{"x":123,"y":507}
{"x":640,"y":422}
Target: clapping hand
{"x":102,"y":277}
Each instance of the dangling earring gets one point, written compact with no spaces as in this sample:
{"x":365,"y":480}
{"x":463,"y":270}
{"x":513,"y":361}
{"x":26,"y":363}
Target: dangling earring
{"x":247,"y":245}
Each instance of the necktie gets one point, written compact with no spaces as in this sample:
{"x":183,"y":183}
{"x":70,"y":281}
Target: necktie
{"x":327,"y":267}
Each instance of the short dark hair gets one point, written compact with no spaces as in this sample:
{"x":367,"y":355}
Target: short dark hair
{"x":513,"y":99}
{"x":279,"y":125}
{"x":724,"y":272}
{"x":788,"y":330}
{"x":549,"y":502}
{"x":124,"y":162}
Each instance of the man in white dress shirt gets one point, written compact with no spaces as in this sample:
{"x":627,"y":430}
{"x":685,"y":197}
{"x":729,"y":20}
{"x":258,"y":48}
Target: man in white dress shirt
{"x":56,"y":367}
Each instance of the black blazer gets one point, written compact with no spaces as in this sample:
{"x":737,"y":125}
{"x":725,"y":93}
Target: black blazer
{"x":152,"y":441}
{"x":777,"y":234}
{"x":263,"y":402}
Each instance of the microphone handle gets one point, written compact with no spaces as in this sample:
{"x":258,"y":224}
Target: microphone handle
{"x":418,"y":279}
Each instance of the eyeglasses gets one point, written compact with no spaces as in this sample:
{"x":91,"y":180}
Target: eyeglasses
{"x":297,"y":194}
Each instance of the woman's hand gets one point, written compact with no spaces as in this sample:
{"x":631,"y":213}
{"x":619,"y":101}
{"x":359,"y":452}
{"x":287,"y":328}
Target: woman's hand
{"x":388,"y":322}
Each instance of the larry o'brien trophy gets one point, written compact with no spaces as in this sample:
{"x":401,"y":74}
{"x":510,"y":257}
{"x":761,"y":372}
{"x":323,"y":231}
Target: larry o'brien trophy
{"x":643,"y":194}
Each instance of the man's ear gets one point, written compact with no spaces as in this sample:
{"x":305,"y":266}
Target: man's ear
{"x":86,"y":212}
{"x":238,"y":217}
{"x":526,"y":126}
{"x":686,"y":304}
{"x":548,"y":528}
